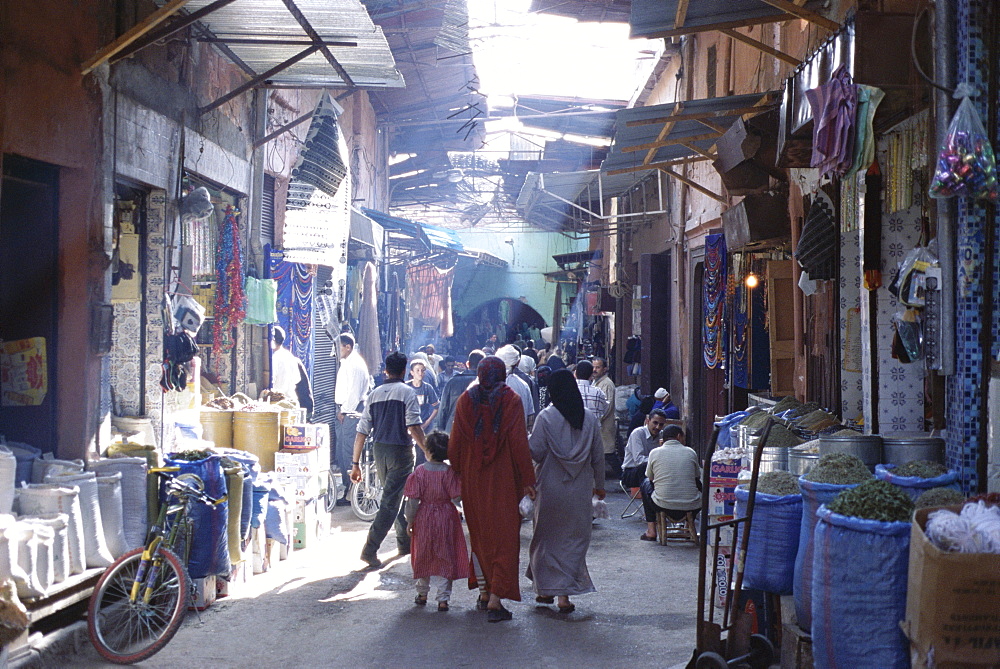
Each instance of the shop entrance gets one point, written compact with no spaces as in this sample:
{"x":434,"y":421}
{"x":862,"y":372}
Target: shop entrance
{"x":29,"y":275}
{"x":657,"y":317}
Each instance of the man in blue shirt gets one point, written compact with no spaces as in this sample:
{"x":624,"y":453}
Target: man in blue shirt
{"x":391,"y":417}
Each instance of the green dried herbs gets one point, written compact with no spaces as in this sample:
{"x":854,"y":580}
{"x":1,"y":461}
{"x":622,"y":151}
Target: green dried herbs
{"x":874,"y":500}
{"x":190,"y":455}
{"x":939,"y":497}
{"x":839,"y":469}
{"x":924,"y":469}
{"x":786,"y":403}
{"x":803,"y":410}
{"x":781,"y":437}
{"x":777,"y":483}
{"x":845,"y":433}
{"x":756,"y":419}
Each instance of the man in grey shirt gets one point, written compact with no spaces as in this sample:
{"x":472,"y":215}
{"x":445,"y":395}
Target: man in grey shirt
{"x":672,"y":481}
{"x":640,"y":444}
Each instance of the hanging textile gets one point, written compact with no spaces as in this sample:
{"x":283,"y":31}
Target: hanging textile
{"x":834,"y":108}
{"x":295,"y":306}
{"x":714,"y":300}
{"x":369,"y":339}
{"x":430,"y":296}
{"x":230,"y":300}
{"x":751,"y":342}
{"x":819,"y":243}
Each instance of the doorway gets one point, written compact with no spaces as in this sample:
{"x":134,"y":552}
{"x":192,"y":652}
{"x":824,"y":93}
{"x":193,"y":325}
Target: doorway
{"x":29,"y":283}
{"x":657,"y":317}
{"x":707,"y":391}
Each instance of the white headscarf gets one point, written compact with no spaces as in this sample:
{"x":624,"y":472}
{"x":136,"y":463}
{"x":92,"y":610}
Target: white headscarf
{"x":509,"y":355}
{"x":527,"y":364}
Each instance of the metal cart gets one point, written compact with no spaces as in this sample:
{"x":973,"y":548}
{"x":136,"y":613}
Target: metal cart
{"x":728,"y":641}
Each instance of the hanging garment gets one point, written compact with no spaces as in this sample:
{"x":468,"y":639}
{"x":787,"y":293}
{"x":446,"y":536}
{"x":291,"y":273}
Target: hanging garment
{"x":369,"y":340}
{"x":430,"y":296}
{"x":819,"y":241}
{"x":869,"y":99}
{"x":834,"y":107}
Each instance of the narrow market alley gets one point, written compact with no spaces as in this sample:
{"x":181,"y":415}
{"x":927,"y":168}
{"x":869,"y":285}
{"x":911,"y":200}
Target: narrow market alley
{"x":317,"y":610}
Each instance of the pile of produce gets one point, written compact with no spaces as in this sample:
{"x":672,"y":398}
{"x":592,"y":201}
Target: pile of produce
{"x":817,"y":420}
{"x":874,"y":500}
{"x":839,"y":469}
{"x":781,"y":437}
{"x":756,"y":420}
{"x":776,"y":483}
{"x":191,"y":455}
{"x":784,"y":404}
{"x":802,"y":410}
{"x":939,"y":497}
{"x":846,"y":432}
{"x":924,"y":469}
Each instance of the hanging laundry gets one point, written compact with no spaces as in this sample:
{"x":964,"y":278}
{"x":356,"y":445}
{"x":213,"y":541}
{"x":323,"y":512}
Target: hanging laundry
{"x":834,"y":108}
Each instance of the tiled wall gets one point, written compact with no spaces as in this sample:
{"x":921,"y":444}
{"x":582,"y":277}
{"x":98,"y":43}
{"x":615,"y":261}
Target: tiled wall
{"x":966,"y":385}
{"x":851,"y":378}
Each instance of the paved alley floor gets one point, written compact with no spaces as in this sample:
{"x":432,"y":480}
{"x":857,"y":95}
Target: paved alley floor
{"x":317,"y":610}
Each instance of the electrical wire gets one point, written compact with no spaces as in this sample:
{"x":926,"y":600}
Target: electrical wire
{"x":913,"y":52}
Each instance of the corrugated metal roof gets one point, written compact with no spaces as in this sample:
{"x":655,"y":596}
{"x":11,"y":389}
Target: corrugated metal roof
{"x":543,"y":198}
{"x":656,"y":18}
{"x":616,"y":11}
{"x":369,"y":64}
{"x":642,"y":126}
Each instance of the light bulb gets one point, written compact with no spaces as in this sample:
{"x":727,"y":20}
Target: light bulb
{"x":752,"y":281}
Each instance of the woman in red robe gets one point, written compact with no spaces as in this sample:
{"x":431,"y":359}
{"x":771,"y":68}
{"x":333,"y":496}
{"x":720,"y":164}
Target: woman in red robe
{"x":489,"y":451}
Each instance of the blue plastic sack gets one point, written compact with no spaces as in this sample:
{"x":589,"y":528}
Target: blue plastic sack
{"x":814,"y":495}
{"x":859,"y":592}
{"x":727,"y":432}
{"x":209,"y":552}
{"x":774,"y":540}
{"x":25,"y":454}
{"x":914,"y":486}
{"x":274,"y":524}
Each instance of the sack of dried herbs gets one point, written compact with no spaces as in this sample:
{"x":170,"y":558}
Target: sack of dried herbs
{"x":939,"y":497}
{"x":874,"y":500}
{"x":916,"y":477}
{"x":859,"y":581}
{"x":833,"y":473}
{"x":774,"y":531}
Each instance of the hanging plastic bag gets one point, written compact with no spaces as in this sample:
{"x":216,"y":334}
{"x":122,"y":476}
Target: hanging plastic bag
{"x":188,"y":313}
{"x":966,"y":165}
{"x":526,"y":507}
{"x":262,"y":301}
{"x":907,"y":344}
{"x":600,"y":508}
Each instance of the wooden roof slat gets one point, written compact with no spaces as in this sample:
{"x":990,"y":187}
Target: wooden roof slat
{"x":681,"y":14}
{"x":664,"y":131}
{"x":670,"y":142}
{"x":709,"y":27}
{"x":760,"y":46}
{"x":711,"y":126}
{"x":654,"y":166}
{"x":694,"y":116}
{"x":137,"y":31}
{"x":803,"y":13}
{"x":699,"y":151}
{"x":693,"y":184}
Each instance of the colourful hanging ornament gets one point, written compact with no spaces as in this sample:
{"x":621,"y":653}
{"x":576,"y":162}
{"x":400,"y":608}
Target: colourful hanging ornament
{"x":230,"y":300}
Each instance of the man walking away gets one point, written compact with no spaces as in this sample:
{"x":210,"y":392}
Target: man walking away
{"x":454,"y":389}
{"x":349,"y":394}
{"x":609,"y":428}
{"x":391,"y":417}
{"x":594,"y":399}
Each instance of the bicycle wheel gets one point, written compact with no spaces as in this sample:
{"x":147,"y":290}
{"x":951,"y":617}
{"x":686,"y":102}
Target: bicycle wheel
{"x":366,"y":495}
{"x":330,"y":494}
{"x":124,"y":632}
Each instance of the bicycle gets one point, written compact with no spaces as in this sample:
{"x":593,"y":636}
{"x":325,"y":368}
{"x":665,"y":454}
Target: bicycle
{"x":366,"y":494}
{"x":141,"y":599}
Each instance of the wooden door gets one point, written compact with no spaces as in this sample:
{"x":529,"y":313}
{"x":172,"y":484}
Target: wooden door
{"x":781,"y":320}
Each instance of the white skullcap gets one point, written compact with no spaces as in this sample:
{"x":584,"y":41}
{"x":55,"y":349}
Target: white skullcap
{"x":527,"y":364}
{"x":660,"y":393}
{"x":509,"y":355}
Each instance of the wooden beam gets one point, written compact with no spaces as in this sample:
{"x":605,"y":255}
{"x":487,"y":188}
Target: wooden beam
{"x":760,"y":46}
{"x":166,"y":31}
{"x":670,"y":142}
{"x":700,"y":152}
{"x":663,"y":134}
{"x":709,"y":27}
{"x":654,"y":166}
{"x":803,"y":13}
{"x":695,"y":116}
{"x":681,"y":14}
{"x":694,"y":184}
{"x":258,"y":80}
{"x":711,"y":126}
{"x":137,"y":31}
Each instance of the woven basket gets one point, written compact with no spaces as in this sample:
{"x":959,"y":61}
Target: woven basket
{"x":258,"y":432}
{"x":217,"y":427}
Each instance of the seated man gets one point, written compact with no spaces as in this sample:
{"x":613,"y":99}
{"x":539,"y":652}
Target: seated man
{"x":673,"y":481}
{"x":641,"y":442}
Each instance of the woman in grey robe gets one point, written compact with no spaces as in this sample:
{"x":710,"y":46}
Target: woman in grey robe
{"x":569,"y":467}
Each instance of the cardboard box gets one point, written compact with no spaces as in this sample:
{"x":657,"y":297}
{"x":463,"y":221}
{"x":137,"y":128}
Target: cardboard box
{"x":723,"y":478}
{"x":952,"y":603}
{"x":300,"y":487}
{"x":297,"y":462}
{"x":307,"y":435}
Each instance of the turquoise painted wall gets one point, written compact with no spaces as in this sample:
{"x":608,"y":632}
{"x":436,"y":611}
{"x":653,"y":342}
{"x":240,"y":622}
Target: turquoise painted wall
{"x":528,"y":259}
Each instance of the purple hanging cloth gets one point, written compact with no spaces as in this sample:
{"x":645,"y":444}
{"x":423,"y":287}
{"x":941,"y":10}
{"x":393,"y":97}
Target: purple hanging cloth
{"x":834,"y":108}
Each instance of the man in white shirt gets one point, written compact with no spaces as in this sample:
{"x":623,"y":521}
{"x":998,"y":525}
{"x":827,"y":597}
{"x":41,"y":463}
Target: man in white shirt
{"x":511,"y":356}
{"x":673,"y":475}
{"x":594,"y":399}
{"x":609,"y":429}
{"x":640,"y":444}
{"x":353,"y":382}
{"x":284,"y":365}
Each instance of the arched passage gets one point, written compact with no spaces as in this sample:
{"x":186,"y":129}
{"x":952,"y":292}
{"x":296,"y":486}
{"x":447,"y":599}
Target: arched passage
{"x":505,"y":317}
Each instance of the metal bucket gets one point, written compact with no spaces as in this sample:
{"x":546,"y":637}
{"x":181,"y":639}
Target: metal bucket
{"x":908,"y":446}
{"x":800,"y":461}
{"x":772,"y":459}
{"x":867,"y":447}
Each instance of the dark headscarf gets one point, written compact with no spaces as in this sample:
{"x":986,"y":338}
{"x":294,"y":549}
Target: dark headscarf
{"x":555,"y":362}
{"x":566,"y":397}
{"x":492,"y":375}
{"x":542,"y":374}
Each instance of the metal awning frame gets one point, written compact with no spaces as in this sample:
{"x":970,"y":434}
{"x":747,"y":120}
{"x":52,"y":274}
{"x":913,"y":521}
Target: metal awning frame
{"x":790,"y":10}
{"x":147,"y":32}
{"x":600,"y":214}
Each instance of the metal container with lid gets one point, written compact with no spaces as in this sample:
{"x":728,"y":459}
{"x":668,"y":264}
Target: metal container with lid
{"x":772,"y":459}
{"x":903,"y":447}
{"x":867,"y":447}
{"x":801,"y":459}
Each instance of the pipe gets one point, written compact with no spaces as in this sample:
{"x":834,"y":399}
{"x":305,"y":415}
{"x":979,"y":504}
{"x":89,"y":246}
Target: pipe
{"x":944,"y":74}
